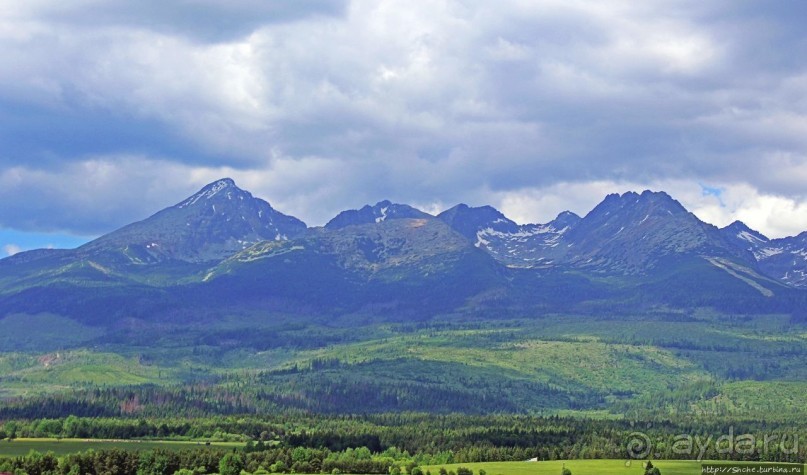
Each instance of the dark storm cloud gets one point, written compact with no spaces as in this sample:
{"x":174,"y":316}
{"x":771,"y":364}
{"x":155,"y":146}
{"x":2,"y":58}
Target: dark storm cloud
{"x":47,"y":137}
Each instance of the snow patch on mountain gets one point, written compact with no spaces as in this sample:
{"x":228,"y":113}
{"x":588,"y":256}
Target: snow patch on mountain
{"x":383,"y":216}
{"x":767,"y":252}
{"x":746,"y":236}
{"x":209,"y":191}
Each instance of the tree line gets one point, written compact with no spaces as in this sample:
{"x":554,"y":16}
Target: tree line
{"x":429,"y":439}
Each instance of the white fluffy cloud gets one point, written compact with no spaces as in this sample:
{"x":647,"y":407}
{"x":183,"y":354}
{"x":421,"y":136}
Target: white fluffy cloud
{"x":774,"y":215}
{"x":324,"y":105}
{"x":11,"y":249}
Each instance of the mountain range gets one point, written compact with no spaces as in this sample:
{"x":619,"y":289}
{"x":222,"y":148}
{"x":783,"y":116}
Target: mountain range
{"x":223,"y":249}
{"x":233,"y":306}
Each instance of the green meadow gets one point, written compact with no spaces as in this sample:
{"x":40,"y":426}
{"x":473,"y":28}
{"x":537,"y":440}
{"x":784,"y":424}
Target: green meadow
{"x":19,"y":447}
{"x":578,"y":467}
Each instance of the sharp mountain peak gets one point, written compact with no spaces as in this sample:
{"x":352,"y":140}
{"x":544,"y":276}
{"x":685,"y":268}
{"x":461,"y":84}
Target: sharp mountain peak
{"x":468,"y":221}
{"x":565,"y":219}
{"x":646,"y":199}
{"x":209,"y":225}
{"x":222,"y":187}
{"x":377,"y":213}
{"x":742,"y":231}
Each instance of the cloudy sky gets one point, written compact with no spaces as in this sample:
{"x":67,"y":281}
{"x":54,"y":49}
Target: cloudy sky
{"x":111,"y":109}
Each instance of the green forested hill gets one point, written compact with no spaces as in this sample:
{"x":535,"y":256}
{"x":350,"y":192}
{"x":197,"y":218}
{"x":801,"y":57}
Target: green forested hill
{"x":678,"y":365}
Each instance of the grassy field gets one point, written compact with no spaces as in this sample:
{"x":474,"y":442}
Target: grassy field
{"x":69,"y":446}
{"x":577,"y":467}
{"x":588,"y":364}
{"x":25,"y":374}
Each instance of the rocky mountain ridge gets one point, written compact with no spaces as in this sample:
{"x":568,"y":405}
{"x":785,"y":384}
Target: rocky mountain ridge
{"x":222,"y":248}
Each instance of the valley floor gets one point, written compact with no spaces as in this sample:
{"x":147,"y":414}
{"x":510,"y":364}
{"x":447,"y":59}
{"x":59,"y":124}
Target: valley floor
{"x":20,"y":447}
{"x":592,"y":467}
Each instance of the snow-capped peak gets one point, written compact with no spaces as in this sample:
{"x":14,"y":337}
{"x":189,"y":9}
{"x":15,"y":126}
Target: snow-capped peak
{"x":208,"y":191}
